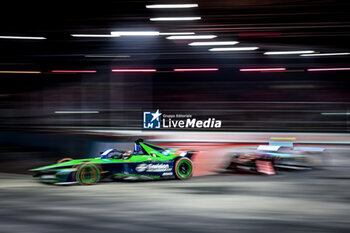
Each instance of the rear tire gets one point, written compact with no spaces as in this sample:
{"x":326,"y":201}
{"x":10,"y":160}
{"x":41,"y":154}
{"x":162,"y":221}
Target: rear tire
{"x":64,"y":160}
{"x":87,"y":174}
{"x":183,"y":169}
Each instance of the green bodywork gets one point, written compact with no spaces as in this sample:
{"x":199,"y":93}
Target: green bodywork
{"x":149,"y":162}
{"x":152,"y":154}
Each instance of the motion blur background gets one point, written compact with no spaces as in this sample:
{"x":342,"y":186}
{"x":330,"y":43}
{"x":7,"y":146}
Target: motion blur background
{"x":67,"y":90}
{"x":291,"y":100}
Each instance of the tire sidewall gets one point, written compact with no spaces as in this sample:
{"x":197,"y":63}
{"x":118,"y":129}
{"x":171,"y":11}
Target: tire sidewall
{"x":77,"y":175}
{"x":177,"y":163}
{"x":64,"y":160}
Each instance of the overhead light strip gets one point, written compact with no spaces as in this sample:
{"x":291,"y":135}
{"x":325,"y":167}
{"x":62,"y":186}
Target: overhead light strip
{"x":166,"y":6}
{"x":109,"y":56}
{"x":213,"y":43}
{"x":73,"y":71}
{"x":93,"y":35}
{"x":175,"y":18}
{"x":135,"y":33}
{"x":133,"y":70}
{"x":288,"y":52}
{"x":23,"y":37}
{"x":199,"y":37}
{"x":327,"y":69}
{"x":195,"y":69}
{"x":335,"y":113}
{"x":262,"y":69}
{"x":324,"y":54}
{"x":233,"y":49}
{"x":19,"y":72}
{"x":176,"y":33}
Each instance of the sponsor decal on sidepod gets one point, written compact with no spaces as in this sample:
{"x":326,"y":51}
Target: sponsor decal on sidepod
{"x":161,"y":167}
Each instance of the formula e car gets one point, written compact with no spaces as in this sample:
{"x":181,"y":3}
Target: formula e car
{"x":147,"y":161}
{"x":268,"y":159}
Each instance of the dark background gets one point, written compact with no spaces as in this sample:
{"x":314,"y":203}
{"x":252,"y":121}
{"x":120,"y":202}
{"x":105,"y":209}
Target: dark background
{"x":258,"y":101}
{"x":261,"y":105}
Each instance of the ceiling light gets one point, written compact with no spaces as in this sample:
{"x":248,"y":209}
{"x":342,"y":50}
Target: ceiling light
{"x":176,"y":33}
{"x":328,"y":69}
{"x":23,"y":37}
{"x":93,"y":35}
{"x":335,"y":113}
{"x":109,"y":56}
{"x":175,"y":18}
{"x":157,"y":6}
{"x":73,"y":71}
{"x":19,"y":72}
{"x":213,"y":43}
{"x":288,"y":52}
{"x":134,"y":70}
{"x":324,"y":54}
{"x":262,"y":69}
{"x":203,"y":37}
{"x":135,"y":33}
{"x":196,"y":69}
{"x":234,"y":49}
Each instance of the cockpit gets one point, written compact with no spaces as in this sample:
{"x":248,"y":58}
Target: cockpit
{"x":120,"y":154}
{"x":114,"y":154}
{"x":139,"y":149}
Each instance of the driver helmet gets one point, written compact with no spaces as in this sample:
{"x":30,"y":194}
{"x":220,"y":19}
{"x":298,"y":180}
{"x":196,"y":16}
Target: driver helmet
{"x":106,"y":153}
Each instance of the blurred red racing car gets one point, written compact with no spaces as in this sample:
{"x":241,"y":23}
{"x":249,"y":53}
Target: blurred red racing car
{"x":268,"y":159}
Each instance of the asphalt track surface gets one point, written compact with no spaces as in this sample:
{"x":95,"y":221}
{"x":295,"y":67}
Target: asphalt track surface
{"x":315,"y":201}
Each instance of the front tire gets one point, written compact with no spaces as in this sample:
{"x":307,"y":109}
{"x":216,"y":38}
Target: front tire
{"x":87,"y":174}
{"x":183,"y":169}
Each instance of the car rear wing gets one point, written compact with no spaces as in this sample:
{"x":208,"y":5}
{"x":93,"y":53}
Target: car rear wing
{"x":189,"y":154}
{"x":281,"y":144}
{"x":268,"y":148}
{"x":309,"y":149}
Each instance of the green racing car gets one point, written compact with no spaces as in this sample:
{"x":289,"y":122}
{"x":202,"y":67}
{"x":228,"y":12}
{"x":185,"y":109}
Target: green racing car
{"x":147,"y":161}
